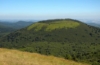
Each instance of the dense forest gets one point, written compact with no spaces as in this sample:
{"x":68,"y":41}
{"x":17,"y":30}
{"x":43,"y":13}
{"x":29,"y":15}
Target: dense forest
{"x":67,"y":38}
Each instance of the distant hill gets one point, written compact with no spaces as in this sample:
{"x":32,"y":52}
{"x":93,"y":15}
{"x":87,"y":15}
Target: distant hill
{"x":67,"y":38}
{"x":16,"y":25}
{"x":94,"y":24}
{"x":7,"y":27}
{"x":14,"y":57}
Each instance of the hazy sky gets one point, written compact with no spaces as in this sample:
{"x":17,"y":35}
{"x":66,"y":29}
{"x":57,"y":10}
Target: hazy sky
{"x":48,"y":9}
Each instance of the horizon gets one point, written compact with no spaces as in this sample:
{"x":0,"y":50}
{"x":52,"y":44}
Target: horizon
{"x":49,"y":9}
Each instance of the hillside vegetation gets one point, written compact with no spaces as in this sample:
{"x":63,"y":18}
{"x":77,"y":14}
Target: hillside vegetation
{"x":14,"y":57}
{"x":54,"y":25}
{"x":66,"y":38}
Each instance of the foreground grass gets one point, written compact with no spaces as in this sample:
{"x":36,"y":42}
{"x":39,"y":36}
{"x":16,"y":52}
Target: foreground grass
{"x":14,"y":57}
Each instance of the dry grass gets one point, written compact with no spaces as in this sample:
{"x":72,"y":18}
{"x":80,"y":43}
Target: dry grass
{"x":14,"y":57}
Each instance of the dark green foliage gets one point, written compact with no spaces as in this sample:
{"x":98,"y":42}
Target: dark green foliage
{"x":80,"y":44}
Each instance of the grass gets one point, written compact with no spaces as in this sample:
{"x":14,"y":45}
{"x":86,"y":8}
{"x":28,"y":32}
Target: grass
{"x":14,"y":57}
{"x":37,"y":26}
{"x":54,"y":25}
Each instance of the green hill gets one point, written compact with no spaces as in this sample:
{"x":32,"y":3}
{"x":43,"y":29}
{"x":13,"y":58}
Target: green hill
{"x":67,"y":38}
{"x":53,"y":25}
{"x":14,"y":57}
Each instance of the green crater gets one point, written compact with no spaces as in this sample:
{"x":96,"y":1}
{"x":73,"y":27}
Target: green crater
{"x":54,"y":25}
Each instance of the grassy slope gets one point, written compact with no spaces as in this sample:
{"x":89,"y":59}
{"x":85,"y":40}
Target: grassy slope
{"x":54,"y":25}
{"x":14,"y":57}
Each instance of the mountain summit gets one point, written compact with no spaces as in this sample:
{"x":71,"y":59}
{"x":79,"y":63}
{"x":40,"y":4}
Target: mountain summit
{"x":51,"y":25}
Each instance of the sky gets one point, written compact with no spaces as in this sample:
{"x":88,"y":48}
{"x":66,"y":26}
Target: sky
{"x":49,"y":9}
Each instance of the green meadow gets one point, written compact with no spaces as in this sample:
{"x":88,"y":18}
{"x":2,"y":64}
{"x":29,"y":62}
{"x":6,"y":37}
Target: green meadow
{"x":54,"y":25}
